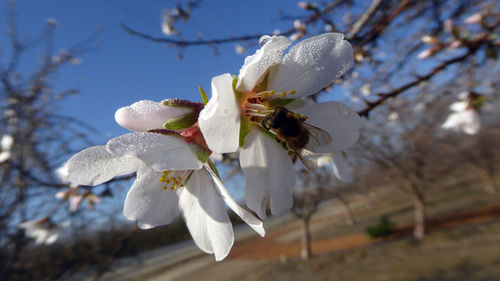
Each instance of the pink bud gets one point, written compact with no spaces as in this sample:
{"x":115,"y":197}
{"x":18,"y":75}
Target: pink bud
{"x":144,"y":115}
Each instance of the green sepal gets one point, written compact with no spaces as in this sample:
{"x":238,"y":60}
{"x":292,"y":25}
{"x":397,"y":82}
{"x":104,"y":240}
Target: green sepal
{"x":245,"y":127}
{"x":479,"y":101}
{"x":174,"y":103}
{"x":181,"y":122}
{"x":280,"y":102}
{"x":239,"y":95}
{"x":201,"y":153}
{"x":204,"y":97}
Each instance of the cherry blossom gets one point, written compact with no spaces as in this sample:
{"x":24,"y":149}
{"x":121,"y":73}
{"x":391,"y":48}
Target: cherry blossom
{"x":233,"y":117}
{"x":174,"y":177}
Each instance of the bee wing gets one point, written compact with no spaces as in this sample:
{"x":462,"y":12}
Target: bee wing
{"x":306,"y":157}
{"x":317,"y":137}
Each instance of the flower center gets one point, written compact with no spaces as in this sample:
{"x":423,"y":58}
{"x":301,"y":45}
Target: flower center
{"x":258,"y":105}
{"x":174,"y":179}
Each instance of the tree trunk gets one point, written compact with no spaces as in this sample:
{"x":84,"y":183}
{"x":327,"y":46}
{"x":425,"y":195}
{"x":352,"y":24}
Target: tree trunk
{"x":419,"y":204}
{"x":306,"y":239}
{"x":349,"y":216}
{"x":490,"y":183}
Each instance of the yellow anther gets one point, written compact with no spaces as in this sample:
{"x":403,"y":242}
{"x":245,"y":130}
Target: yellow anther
{"x":271,"y":92}
{"x":263,"y":95}
{"x":292,"y":92}
{"x":283,"y":94}
{"x":266,"y":104}
{"x":305,"y":117}
{"x":297,"y":115}
{"x":164,"y":187}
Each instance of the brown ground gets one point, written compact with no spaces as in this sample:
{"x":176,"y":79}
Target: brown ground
{"x":270,"y":247}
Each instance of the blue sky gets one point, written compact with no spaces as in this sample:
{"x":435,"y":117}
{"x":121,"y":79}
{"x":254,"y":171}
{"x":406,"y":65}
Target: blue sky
{"x":126,"y":68}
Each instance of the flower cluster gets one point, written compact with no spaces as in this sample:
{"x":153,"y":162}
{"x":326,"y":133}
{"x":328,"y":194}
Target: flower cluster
{"x":263,"y":113}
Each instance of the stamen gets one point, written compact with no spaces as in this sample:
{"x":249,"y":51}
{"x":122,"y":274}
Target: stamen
{"x":271,"y":92}
{"x":292,"y":92}
{"x":174,"y":179}
{"x":283,"y":94}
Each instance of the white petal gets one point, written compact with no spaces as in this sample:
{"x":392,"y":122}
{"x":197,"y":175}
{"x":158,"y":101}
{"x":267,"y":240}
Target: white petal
{"x":219,"y":121}
{"x":205,"y":215}
{"x":459,"y":106}
{"x":335,"y":118}
{"x":146,"y":114}
{"x":246,"y":216}
{"x":257,"y":65}
{"x":6,"y":142}
{"x":147,"y":202}
{"x":341,"y":169}
{"x":95,"y":165}
{"x":312,"y":64}
{"x":158,"y":152}
{"x":269,"y":173}
{"x":4,"y":156}
{"x":464,"y":121}
{"x":51,"y":238}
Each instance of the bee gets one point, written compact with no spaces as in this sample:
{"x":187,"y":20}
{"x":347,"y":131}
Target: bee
{"x":293,"y":132}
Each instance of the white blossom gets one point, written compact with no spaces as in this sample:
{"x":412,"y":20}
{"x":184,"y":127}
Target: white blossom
{"x":172,"y":178}
{"x":268,"y":78}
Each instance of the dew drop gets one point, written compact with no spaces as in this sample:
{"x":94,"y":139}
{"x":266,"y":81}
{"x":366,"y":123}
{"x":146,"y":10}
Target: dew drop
{"x":263,"y":40}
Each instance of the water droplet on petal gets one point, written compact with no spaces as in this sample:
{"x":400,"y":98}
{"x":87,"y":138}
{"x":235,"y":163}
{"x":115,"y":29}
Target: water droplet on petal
{"x":263,"y":40}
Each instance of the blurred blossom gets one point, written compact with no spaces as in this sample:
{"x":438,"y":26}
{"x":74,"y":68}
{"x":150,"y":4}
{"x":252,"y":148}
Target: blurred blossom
{"x":303,"y":5}
{"x":44,"y":231}
{"x":4,"y":156}
{"x":393,"y":116}
{"x":298,"y":25}
{"x":62,"y":173}
{"x":216,"y":157}
{"x":474,"y":18}
{"x":464,"y":117}
{"x":449,"y":25}
{"x":419,"y":107}
{"x":9,"y":113}
{"x":366,"y":89}
{"x":167,"y":25}
{"x":425,"y":54}
{"x":324,"y":160}
{"x":296,"y":36}
{"x":340,"y":167}
{"x":52,"y":22}
{"x":358,"y":56}
{"x":430,"y":40}
{"x":456,"y":44}
{"x":168,"y":29}
{"x":75,"y":61}
{"x":7,"y":142}
{"x":56,"y":59}
{"x":240,"y":50}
